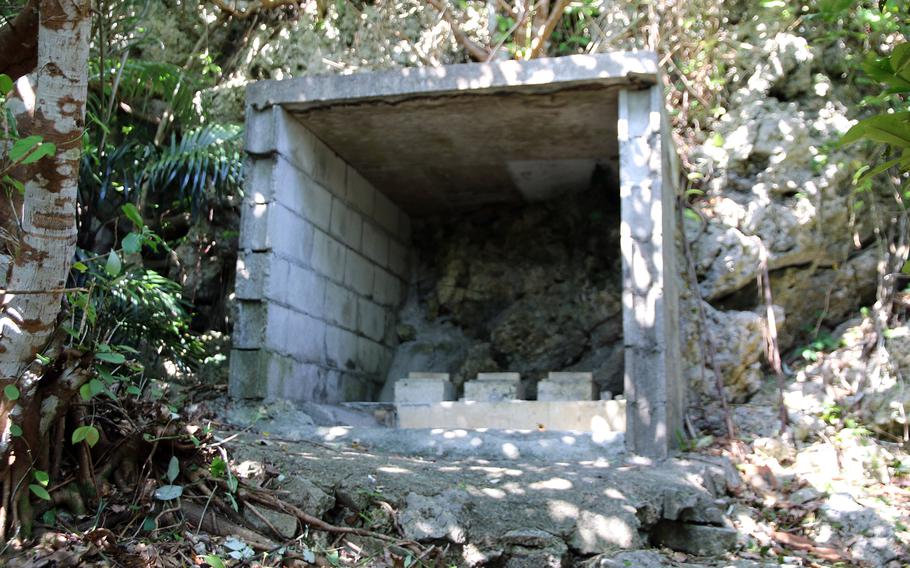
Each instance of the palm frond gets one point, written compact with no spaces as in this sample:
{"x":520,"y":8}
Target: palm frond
{"x":203,"y":160}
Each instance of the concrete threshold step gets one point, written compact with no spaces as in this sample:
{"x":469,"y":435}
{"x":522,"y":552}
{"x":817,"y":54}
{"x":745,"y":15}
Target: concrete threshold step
{"x":596,"y":416}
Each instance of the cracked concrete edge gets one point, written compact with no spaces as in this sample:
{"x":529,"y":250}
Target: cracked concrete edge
{"x":624,"y":68}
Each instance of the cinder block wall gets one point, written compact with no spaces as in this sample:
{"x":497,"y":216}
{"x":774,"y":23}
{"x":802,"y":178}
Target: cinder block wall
{"x":322,"y":271}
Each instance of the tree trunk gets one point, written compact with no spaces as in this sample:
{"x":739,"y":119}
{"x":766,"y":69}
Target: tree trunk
{"x":47,"y":238}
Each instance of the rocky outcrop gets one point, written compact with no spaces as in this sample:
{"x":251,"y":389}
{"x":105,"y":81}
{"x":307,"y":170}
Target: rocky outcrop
{"x":529,"y":289}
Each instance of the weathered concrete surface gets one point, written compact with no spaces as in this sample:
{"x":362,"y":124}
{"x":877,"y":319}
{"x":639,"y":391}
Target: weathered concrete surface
{"x":601,"y":417}
{"x":431,"y":138}
{"x":494,"y":387}
{"x":485,"y":509}
{"x":567,"y":386}
{"x":539,"y":75}
{"x":425,"y":390}
{"x":653,"y":384}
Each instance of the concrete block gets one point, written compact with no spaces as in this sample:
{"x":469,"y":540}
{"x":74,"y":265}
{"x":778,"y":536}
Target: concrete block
{"x":601,"y":417}
{"x":398,"y":260}
{"x":328,"y":256}
{"x":372,"y":357}
{"x":259,"y":131}
{"x":301,"y":194}
{"x":248,"y":373}
{"x":251,"y":275}
{"x":510,"y":377}
{"x":292,"y":380}
{"x":305,"y":151}
{"x":387,"y":288}
{"x":411,"y":391}
{"x":356,"y":387}
{"x":254,"y":227}
{"x":289,"y":235}
{"x":347,"y":387}
{"x":306,"y":337}
{"x":491,"y":390}
{"x":346,"y":224}
{"x":276,"y":282}
{"x":340,"y":348}
{"x":306,"y":291}
{"x":426,"y":375}
{"x":257,"y":182}
{"x":371,"y":319}
{"x":276,"y":328}
{"x":317,"y":204}
{"x":567,"y":386}
{"x":358,"y":273}
{"x":249,"y":328}
{"x":386,"y":213}
{"x":341,"y":306}
{"x":359,"y":192}
{"x":375,"y":245}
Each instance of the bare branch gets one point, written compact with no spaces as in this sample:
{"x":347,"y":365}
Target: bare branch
{"x":543,"y":36}
{"x":262,"y":5}
{"x":474,"y":49}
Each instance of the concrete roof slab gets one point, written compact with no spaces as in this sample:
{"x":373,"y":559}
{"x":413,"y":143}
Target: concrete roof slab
{"x":618,"y":68}
{"x":462,"y":136}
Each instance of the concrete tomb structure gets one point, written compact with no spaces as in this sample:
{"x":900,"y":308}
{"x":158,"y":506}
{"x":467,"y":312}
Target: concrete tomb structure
{"x":342,"y":173}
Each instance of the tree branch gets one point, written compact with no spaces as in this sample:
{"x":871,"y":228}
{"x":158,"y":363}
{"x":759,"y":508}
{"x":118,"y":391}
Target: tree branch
{"x":260,"y":6}
{"x":474,"y":49}
{"x":19,"y":42}
{"x":539,"y":42}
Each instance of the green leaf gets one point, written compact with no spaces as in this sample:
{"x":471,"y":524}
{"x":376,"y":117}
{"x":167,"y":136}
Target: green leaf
{"x":213,"y":561}
{"x":85,"y":392}
{"x":15,"y":183}
{"x":6,"y":84}
{"x":110,"y":357}
{"x":40,"y":492}
{"x":132,"y":213}
{"x":11,"y":392}
{"x":23,"y":146}
{"x":134,"y":390}
{"x":113,"y":265}
{"x":149,"y":524}
{"x":42,"y":477}
{"x":49,"y":517}
{"x":45,"y":149}
{"x":92,"y":435}
{"x":15,"y":430}
{"x":218,"y":467}
{"x":173,"y":469}
{"x":81,"y":267}
{"x":96,"y":387}
{"x":891,"y":129}
{"x":132,"y":243}
{"x":876,"y":170}
{"x":87,"y":433}
{"x":168,"y":492}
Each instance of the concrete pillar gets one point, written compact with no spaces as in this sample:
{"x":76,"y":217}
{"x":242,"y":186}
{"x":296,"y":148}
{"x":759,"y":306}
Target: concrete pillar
{"x":653,"y":381}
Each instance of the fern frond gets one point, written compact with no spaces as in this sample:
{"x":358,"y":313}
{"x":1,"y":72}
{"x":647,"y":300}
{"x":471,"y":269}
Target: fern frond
{"x":203,"y":160}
